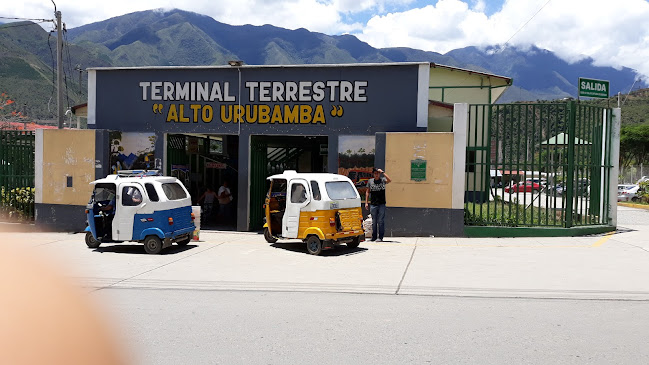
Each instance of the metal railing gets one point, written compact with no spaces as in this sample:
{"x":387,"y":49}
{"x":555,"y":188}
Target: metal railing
{"x":17,"y":175}
{"x":537,"y":165}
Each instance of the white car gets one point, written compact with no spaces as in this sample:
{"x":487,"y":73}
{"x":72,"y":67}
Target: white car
{"x":622,"y":187}
{"x":628,"y":194}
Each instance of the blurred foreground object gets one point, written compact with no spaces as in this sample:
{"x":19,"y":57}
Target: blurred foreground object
{"x":45,"y":319}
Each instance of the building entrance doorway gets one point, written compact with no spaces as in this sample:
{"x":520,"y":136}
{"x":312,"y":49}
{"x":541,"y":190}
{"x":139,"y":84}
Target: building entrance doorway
{"x":207,"y":164}
{"x":271,"y":155}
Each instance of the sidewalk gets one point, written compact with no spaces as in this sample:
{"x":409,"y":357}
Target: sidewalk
{"x":612,"y":266}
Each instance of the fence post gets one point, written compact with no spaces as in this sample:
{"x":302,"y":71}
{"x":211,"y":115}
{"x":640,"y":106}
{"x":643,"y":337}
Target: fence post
{"x":614,"y":161}
{"x":570,"y":193}
{"x":460,"y":122}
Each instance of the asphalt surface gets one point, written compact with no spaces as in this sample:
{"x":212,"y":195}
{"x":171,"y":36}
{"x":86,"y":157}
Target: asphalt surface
{"x":249,"y":327}
{"x":232,"y":298}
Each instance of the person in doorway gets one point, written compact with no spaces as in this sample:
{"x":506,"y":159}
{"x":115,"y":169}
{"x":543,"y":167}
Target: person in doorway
{"x":225,"y":201}
{"x":207,"y":198}
{"x":376,"y":189}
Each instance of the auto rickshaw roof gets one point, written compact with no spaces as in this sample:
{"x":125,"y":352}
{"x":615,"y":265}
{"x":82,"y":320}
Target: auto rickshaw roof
{"x":292,"y":174}
{"x":115,"y":179}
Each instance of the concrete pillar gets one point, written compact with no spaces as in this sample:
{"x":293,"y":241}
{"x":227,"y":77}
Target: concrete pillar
{"x":615,"y":162}
{"x":460,"y":122}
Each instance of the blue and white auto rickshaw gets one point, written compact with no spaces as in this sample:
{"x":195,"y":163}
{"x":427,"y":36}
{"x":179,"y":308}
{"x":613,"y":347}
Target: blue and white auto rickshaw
{"x":139,"y":206}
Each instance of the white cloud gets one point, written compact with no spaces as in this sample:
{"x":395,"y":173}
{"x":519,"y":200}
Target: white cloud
{"x":613,"y":34}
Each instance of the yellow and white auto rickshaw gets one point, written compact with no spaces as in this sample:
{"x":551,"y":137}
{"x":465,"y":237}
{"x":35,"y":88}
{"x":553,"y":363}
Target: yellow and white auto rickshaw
{"x":324,"y":210}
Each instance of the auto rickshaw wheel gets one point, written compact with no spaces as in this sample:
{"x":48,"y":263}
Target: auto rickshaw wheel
{"x":313,"y":245}
{"x":354,"y":242}
{"x":269,"y":237}
{"x":152,"y":245}
{"x":91,"y":241}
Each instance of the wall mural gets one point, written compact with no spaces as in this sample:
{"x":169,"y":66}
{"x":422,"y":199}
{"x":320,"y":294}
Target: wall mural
{"x":131,"y":151}
{"x":356,"y":159}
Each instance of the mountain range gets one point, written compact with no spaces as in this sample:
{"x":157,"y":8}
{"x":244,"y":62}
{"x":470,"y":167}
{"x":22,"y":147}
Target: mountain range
{"x":177,"y":37}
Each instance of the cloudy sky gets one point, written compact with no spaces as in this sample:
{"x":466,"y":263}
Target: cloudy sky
{"x":613,"y":33}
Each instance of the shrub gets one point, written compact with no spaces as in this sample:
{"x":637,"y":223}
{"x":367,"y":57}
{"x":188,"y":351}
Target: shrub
{"x":17,"y":203}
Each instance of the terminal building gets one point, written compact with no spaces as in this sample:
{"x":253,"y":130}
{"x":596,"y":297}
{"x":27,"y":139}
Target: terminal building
{"x":243,"y":123}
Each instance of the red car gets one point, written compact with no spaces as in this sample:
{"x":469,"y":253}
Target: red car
{"x":527,"y":187}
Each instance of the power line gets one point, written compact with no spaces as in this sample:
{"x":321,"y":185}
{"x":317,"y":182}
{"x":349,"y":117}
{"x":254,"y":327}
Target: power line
{"x":521,"y":28}
{"x":66,"y":44}
{"x":53,"y":74}
{"x":30,"y":19}
{"x":3,"y":26}
{"x":627,"y":95}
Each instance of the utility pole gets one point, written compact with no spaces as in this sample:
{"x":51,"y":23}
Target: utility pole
{"x":59,"y":67}
{"x":78,"y":68}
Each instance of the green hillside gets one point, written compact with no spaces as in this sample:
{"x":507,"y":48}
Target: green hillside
{"x":27,"y":56}
{"x":635,"y":106}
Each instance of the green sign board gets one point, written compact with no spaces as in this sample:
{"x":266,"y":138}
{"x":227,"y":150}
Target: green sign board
{"x":418,"y":170}
{"x":593,"y":88}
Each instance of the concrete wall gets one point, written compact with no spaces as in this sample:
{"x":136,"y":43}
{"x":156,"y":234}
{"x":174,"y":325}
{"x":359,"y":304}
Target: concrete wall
{"x":456,"y":85}
{"x":440,"y":119}
{"x":420,"y":208}
{"x":65,"y":165}
{"x":434,"y":148}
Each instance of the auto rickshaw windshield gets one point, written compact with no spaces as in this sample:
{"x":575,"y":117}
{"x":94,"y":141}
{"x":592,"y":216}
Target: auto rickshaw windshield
{"x":103,"y":192}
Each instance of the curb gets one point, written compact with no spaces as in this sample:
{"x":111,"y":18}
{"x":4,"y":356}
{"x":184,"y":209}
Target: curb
{"x":633,"y":205}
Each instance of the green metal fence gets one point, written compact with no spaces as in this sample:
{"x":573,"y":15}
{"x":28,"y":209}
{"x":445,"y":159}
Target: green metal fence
{"x":538,"y":165}
{"x":17,"y":175}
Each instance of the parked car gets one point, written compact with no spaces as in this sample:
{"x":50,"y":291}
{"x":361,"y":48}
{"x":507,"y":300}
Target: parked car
{"x":628,"y":194}
{"x":622,"y":187}
{"x":542,"y":181}
{"x":642,"y":179}
{"x":526,"y":187}
{"x":581,"y":188}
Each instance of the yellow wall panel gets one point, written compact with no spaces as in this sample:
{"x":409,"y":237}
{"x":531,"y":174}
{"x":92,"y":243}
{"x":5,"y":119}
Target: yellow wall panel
{"x":68,"y":153}
{"x":436,"y":191}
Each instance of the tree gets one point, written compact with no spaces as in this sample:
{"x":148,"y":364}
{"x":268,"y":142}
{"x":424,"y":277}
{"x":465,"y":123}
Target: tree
{"x":634,"y":145}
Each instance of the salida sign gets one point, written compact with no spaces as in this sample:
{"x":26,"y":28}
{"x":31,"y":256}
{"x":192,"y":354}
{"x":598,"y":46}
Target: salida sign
{"x":593,"y":88}
{"x":277,"y":102}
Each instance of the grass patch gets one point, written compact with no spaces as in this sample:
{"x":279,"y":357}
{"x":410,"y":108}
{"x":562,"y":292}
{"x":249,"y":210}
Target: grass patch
{"x":511,"y":215}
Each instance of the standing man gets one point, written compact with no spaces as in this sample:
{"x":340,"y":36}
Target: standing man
{"x":376,"y":187}
{"x":225,"y":201}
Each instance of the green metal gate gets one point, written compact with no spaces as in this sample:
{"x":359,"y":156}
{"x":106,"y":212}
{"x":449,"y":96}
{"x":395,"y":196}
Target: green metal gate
{"x":17,"y":175}
{"x":269,"y":156}
{"x":538,"y":165}
{"x":258,"y":175}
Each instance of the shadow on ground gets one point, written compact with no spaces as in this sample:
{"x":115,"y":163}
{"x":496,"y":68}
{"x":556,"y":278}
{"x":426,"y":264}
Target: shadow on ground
{"x":139,"y":249}
{"x":300,"y":247}
{"x":619,"y":230}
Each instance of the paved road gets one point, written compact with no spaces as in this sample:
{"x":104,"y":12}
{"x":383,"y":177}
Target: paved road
{"x":233,"y":298}
{"x":234,"y":327}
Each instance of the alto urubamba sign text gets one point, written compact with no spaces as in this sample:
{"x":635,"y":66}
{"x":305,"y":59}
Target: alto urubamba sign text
{"x":276,"y":102}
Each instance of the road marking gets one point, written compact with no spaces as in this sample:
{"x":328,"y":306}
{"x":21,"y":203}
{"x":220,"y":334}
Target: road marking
{"x":603,"y":240}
